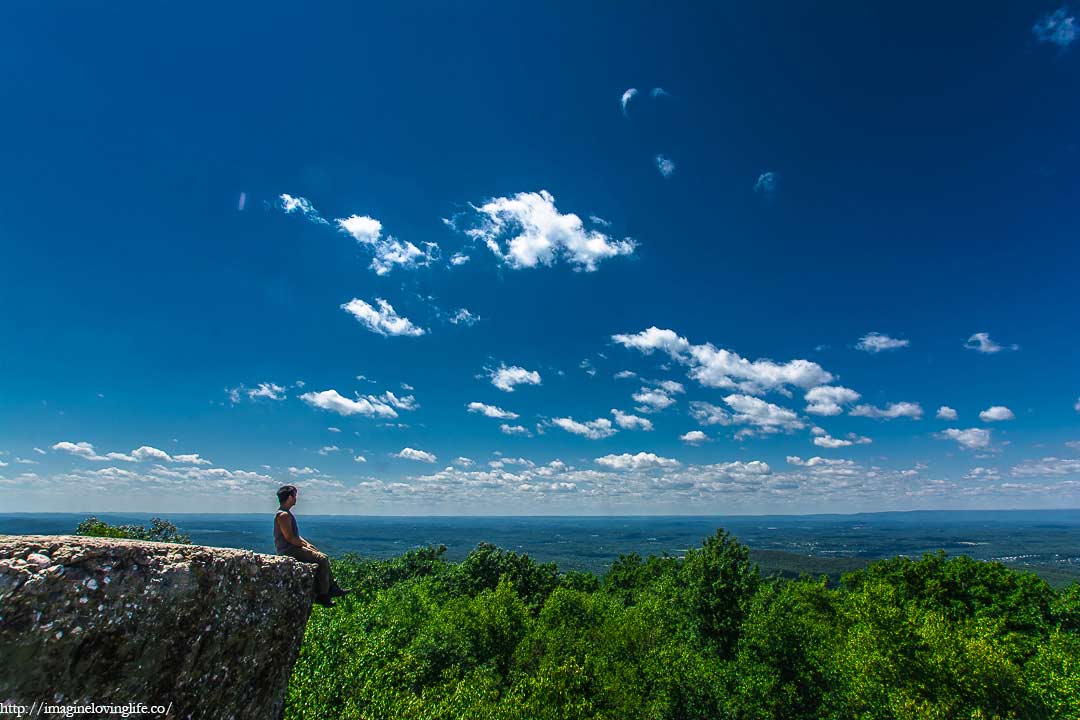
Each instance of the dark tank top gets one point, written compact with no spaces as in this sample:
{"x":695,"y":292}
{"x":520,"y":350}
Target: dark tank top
{"x":279,"y":540}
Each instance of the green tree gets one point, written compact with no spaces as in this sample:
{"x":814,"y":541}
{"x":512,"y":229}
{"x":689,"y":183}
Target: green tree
{"x":158,"y":531}
{"x":720,"y":582}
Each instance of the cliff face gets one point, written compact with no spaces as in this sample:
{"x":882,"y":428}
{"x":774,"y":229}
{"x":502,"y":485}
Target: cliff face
{"x":213,"y":631}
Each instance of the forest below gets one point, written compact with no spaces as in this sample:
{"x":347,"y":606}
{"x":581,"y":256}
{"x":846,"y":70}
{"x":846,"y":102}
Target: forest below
{"x":705,"y":635}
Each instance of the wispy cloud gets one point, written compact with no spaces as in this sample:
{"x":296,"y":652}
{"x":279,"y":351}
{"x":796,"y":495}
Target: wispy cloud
{"x":627,"y":96}
{"x":464,"y":317}
{"x":665,"y":165}
{"x":526,"y":230}
{"x":265,"y":391}
{"x":290,"y":204}
{"x":719,"y":368}
{"x":876,"y":342}
{"x":141,"y":454}
{"x":766,"y":185}
{"x":383,"y":320}
{"x":521,"y":430}
{"x":981,"y":342}
{"x":631,"y":422}
{"x":1057,"y":28}
{"x":970,"y":439}
{"x":892,"y":411}
{"x":389,"y":252}
{"x":492,"y":411}
{"x":368,"y":405}
{"x":593,"y":429}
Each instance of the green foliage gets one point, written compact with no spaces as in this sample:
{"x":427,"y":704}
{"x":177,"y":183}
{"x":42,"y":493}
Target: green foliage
{"x":720,"y":581}
{"x":499,"y":636}
{"x":159,"y":531}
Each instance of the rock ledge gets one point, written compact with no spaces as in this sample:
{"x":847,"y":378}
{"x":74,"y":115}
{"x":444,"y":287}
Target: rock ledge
{"x":214,"y":631}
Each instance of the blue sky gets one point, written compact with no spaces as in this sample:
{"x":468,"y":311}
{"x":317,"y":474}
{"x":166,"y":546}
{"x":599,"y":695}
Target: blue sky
{"x":442,"y":258}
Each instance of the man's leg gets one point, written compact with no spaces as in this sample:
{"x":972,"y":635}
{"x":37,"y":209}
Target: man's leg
{"x":322,"y":574}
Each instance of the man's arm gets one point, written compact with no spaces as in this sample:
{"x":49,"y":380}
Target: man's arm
{"x":285,"y":526}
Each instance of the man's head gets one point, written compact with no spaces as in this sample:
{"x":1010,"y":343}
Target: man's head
{"x":286,"y":495}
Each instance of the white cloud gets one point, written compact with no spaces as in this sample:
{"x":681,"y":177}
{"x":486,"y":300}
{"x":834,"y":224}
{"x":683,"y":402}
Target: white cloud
{"x":1076,"y":407}
{"x":39,"y":451}
{"x":333,"y":401}
{"x":492,"y":411}
{"x":459,"y":259}
{"x":827,"y":399}
{"x":401,"y":403}
{"x":669,"y":386}
{"x":360,"y":459}
{"x":640,"y":461}
{"x":334,"y":429}
{"x":409,"y":453}
{"x":593,"y":429}
{"x":890,"y":412}
{"x":658,"y":92}
{"x":997,"y":413}
{"x":327,"y":449}
{"x":527,"y":230}
{"x":290,"y":204}
{"x":767,"y":417}
{"x":82,"y":449}
{"x":630,"y":374}
{"x":627,"y":96}
{"x":720,"y":368}
{"x":1050,"y":466}
{"x":515,"y":430}
{"x":652,"y":400}
{"x":1057,"y":28}
{"x":665,"y":165}
{"x":970,"y":439}
{"x":652,"y":339}
{"x":946,"y":413}
{"x":140,"y":454}
{"x":269,"y":391}
{"x":389,"y":251}
{"x":876,"y":342}
{"x":266,"y":391}
{"x":981,"y":342}
{"x":828,"y":441}
{"x":506,"y":378}
{"x":464,"y":317}
{"x":766,"y":184}
{"x":303,"y":471}
{"x":384,"y":320}
{"x":709,"y":414}
{"x":631,"y":422}
{"x":694,"y":437}
{"x":464,"y":461}
{"x":150,"y":453}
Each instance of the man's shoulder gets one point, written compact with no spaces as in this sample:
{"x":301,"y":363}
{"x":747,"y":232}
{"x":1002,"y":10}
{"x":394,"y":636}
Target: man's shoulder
{"x":283,"y":512}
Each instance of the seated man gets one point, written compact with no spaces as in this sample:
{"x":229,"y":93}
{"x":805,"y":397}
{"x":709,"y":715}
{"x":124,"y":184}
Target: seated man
{"x":287,"y":540}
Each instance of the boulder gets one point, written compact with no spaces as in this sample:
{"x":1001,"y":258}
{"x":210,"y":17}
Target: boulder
{"x":209,"y":632}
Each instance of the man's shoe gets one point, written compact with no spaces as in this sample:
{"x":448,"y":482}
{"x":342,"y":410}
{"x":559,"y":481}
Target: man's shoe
{"x":324,"y":600}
